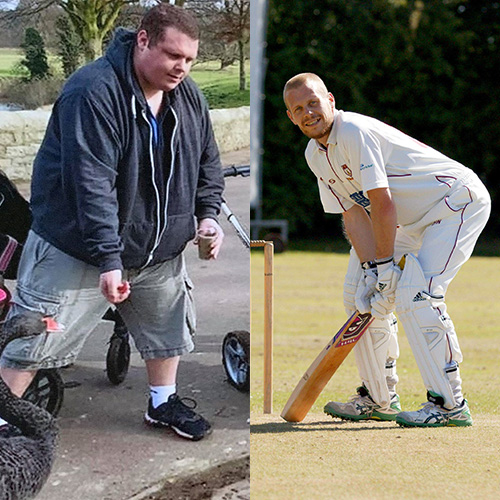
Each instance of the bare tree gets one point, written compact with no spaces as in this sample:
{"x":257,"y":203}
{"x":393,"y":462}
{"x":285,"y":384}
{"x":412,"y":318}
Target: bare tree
{"x":225,"y":23}
{"x":236,"y":27}
{"x":225,"y":31}
{"x":13,"y":26}
{"x":91,"y":19}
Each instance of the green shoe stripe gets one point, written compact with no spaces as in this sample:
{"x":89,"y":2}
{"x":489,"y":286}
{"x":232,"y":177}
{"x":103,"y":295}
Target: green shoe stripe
{"x":375,"y":415}
{"x":384,"y":416}
{"x":449,"y":423}
{"x":460,"y":423}
{"x":343,"y":415}
{"x":403,"y":423}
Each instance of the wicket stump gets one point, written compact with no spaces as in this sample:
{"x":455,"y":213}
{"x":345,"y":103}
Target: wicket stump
{"x":268,"y":321}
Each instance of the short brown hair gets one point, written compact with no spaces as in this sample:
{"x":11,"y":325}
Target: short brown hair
{"x":163,"y":16}
{"x":303,"y":79}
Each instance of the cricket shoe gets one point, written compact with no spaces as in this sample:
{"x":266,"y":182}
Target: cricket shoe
{"x":433,"y":415}
{"x":362,"y":407}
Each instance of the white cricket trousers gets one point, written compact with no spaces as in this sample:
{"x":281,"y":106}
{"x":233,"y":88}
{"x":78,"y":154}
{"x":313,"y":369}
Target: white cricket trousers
{"x":443,"y":240}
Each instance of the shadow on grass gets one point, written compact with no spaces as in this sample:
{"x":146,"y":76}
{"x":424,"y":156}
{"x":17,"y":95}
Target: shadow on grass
{"x":324,"y":425}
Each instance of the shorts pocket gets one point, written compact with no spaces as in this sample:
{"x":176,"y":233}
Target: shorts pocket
{"x":46,"y":304}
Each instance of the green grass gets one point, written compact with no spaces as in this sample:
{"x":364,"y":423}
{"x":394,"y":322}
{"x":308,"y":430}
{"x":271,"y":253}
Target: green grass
{"x":8,"y":60}
{"x":369,"y":460}
{"x":487,"y":245}
{"x":220,"y":87}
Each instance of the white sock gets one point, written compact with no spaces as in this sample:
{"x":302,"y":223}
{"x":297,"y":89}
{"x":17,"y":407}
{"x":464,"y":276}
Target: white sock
{"x":161,"y":393}
{"x":3,"y":422}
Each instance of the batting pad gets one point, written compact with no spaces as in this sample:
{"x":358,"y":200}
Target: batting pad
{"x":378,"y":345}
{"x":431,"y":335}
{"x":351,"y":280}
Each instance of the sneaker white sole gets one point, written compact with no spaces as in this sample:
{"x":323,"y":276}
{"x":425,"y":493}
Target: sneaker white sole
{"x":157,"y":423}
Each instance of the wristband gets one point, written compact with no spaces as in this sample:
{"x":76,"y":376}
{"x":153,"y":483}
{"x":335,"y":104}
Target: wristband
{"x":385,"y":260}
{"x":370,"y":264}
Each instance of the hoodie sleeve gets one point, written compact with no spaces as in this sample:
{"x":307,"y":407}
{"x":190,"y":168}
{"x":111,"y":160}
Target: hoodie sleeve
{"x":90,"y":152}
{"x":211,"y":179}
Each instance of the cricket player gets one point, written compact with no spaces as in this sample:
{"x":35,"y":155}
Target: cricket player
{"x":397,"y":197}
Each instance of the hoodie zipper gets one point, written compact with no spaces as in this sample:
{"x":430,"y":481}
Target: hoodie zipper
{"x":159,"y":233}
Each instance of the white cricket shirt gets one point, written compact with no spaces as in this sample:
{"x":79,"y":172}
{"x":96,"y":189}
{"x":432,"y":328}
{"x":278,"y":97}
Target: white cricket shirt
{"x":364,"y":153}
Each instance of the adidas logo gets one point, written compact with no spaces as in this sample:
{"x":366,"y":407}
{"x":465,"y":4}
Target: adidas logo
{"x":382,"y":286}
{"x":419,"y":297}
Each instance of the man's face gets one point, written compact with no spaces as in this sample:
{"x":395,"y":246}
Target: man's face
{"x":311,"y":109}
{"x":164,"y":65}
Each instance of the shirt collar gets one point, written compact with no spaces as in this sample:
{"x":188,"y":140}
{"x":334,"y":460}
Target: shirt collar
{"x":332,"y":137}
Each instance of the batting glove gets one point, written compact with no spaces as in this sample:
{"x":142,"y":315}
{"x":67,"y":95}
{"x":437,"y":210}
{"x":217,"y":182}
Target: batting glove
{"x":383,"y":302}
{"x":366,"y":287}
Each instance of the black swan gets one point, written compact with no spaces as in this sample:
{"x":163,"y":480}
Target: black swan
{"x":25,"y":459}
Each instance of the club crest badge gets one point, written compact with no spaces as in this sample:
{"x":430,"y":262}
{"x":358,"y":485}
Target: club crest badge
{"x":347,"y":172}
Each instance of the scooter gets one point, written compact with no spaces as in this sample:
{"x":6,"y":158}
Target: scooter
{"x":236,"y":344}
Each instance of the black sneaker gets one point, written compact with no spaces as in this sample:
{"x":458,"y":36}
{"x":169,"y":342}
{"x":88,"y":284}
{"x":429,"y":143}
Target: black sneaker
{"x":181,"y":417}
{"x":9,"y":431}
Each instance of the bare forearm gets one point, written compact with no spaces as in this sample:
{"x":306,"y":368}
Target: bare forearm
{"x":384,"y":222}
{"x":359,"y":230}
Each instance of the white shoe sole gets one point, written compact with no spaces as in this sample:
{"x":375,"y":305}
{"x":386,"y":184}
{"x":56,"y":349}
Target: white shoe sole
{"x":157,"y":423}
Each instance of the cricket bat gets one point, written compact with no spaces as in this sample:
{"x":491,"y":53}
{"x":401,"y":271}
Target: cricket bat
{"x":324,"y":366}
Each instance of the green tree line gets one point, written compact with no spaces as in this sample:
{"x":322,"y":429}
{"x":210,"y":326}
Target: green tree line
{"x":428,"y":68}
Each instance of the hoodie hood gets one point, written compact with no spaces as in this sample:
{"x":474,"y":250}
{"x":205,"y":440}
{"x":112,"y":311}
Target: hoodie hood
{"x":120,"y":54}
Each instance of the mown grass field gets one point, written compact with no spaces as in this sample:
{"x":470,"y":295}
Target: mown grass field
{"x":220,"y":87}
{"x":325,"y":458}
{"x":8,"y":60}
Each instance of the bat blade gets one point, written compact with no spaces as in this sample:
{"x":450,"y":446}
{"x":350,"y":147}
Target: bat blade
{"x":324,"y":366}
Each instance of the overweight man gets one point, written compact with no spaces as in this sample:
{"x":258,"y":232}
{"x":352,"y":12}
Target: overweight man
{"x":127,"y":172}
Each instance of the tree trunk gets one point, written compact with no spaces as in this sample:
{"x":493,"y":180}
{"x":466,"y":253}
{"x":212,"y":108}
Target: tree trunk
{"x":241,"y":57}
{"x":93,"y":49}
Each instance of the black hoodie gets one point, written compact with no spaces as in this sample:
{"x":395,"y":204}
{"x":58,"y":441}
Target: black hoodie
{"x":100,"y":191}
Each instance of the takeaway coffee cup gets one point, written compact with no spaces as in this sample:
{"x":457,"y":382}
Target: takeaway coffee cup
{"x":205,"y":239}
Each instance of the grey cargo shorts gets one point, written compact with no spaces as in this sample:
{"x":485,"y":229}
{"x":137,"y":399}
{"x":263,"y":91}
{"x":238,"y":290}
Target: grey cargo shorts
{"x":159,"y":312}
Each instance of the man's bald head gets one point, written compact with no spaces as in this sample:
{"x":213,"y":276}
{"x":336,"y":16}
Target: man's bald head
{"x":305,"y":79}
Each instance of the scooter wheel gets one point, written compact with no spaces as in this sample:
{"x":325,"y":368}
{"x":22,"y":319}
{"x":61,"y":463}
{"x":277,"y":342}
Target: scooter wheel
{"x":236,"y":359}
{"x":118,"y":358}
{"x":46,"y":390}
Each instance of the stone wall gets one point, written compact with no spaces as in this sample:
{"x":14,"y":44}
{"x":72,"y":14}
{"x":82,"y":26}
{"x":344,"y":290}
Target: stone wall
{"x":21,"y":133}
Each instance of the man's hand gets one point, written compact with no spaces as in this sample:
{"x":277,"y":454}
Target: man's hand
{"x":210,"y":225}
{"x":113,"y":287}
{"x":366,"y":289}
{"x":383,"y":302}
